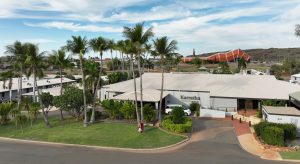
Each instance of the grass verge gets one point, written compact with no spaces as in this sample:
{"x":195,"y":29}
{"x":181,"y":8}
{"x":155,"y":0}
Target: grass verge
{"x":69,"y":131}
{"x":290,"y":155}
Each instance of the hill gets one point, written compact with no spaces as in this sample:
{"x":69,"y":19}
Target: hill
{"x":271,"y":54}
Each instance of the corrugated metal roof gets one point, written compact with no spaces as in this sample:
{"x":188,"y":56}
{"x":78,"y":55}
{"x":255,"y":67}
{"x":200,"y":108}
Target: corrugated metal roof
{"x":230,"y":86}
{"x":149,"y":95}
{"x":295,"y":95}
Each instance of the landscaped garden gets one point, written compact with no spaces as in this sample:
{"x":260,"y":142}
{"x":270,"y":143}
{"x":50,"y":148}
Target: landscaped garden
{"x":70,"y":131}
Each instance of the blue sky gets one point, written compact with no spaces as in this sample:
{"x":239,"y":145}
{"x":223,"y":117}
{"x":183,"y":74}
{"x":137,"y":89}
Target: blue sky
{"x":206,"y":25}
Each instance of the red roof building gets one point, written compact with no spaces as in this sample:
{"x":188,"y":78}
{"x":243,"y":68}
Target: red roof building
{"x":229,"y":56}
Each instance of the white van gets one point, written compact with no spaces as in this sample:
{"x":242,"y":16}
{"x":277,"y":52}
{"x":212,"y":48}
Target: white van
{"x":170,"y":107}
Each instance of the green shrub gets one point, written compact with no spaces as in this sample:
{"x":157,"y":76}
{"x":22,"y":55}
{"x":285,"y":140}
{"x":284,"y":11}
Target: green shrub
{"x":259,"y":113}
{"x":128,"y":110}
{"x":273,"y":136}
{"x":112,"y":108}
{"x":186,"y":126}
{"x":177,"y":115}
{"x":5,"y":109}
{"x":290,"y":130}
{"x":149,"y":113}
{"x":259,"y":128}
{"x":194,"y":106}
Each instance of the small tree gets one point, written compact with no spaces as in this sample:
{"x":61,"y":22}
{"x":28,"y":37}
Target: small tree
{"x":34,"y":112}
{"x":197,"y":61}
{"x":177,"y":115}
{"x":72,"y":101}
{"x":128,"y":110}
{"x":20,"y":120}
{"x":5,"y":109}
{"x":47,"y":104}
{"x":112,"y":108}
{"x":149,"y":113}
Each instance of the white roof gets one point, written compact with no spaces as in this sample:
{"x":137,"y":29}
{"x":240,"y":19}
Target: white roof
{"x":288,"y":111}
{"x":296,"y":75}
{"x":149,"y":95}
{"x":55,"y":91}
{"x":28,"y":83}
{"x":219,"y":85}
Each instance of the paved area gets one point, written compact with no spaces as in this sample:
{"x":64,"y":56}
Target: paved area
{"x":213,"y":141}
{"x":248,"y":142}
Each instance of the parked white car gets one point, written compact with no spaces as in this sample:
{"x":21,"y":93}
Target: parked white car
{"x":170,"y":108}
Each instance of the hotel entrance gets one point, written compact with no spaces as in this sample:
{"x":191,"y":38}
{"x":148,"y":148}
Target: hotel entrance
{"x":247,"y":107}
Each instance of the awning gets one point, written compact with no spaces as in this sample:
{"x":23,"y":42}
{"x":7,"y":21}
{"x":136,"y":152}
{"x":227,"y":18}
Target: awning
{"x":149,"y":95}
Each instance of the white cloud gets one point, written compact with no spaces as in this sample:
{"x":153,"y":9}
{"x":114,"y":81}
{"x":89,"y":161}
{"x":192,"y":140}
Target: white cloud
{"x":75,"y":27}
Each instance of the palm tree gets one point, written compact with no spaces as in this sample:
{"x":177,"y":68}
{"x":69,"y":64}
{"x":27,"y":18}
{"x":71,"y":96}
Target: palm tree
{"x":7,"y":76}
{"x":111,"y":46}
{"x":166,"y":50}
{"x":242,"y":64}
{"x":35,"y":65}
{"x":120,"y":46}
{"x":59,"y":59}
{"x":100,"y":45}
{"x":139,"y":37}
{"x":297,"y":30}
{"x":17,"y":50}
{"x":79,"y":45}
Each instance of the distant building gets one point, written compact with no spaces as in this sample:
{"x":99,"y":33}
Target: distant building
{"x":295,"y":79}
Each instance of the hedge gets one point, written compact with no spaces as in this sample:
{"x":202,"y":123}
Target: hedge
{"x":273,"y":136}
{"x":290,"y":130}
{"x":178,"y":128}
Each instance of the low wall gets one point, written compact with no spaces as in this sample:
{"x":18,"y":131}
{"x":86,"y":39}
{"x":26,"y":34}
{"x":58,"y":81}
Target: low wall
{"x":212,"y":113}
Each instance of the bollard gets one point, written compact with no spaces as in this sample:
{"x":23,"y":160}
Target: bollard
{"x":249,"y":123}
{"x":231,"y":117}
{"x":240,"y":120}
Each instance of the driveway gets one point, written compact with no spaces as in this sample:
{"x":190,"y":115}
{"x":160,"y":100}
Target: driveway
{"x":213,"y":141}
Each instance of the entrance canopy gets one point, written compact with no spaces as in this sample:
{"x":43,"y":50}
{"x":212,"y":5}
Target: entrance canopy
{"x":149,"y":95}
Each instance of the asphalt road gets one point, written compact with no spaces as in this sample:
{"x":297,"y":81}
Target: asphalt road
{"x":222,"y":148}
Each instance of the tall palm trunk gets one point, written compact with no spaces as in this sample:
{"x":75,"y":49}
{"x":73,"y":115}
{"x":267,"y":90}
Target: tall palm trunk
{"x":61,"y":91}
{"x":161,"y":91}
{"x":84,"y":96}
{"x":129,"y":69}
{"x":96,"y":90}
{"x":20,"y":86}
{"x":45,"y":113}
{"x":112,"y":60}
{"x":141,"y":87}
{"x":123,"y":64}
{"x":34,"y":87}
{"x":135,"y":93}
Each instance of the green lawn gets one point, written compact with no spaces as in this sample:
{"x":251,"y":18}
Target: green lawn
{"x":290,"y":155}
{"x":100,"y":134}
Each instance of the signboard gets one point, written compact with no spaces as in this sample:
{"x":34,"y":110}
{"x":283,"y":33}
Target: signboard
{"x":189,"y":97}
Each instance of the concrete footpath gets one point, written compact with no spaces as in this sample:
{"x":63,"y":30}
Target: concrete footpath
{"x":250,"y":144}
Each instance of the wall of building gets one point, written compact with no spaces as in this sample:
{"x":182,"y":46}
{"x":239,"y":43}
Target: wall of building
{"x":283,"y":119}
{"x":212,"y":113}
{"x":223,"y":103}
{"x":186,"y":98}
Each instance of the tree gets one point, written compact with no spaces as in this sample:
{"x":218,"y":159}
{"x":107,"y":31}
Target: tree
{"x":149,"y":113}
{"x":7,"y":76}
{"x":177,"y":115}
{"x":72,"y":101}
{"x":165,"y":49}
{"x":111,"y":47}
{"x":25,"y":104}
{"x":128,"y":110}
{"x":224,"y":68}
{"x":35,"y":65}
{"x":20,"y":119}
{"x":197,"y":61}
{"x":139,"y":36}
{"x":17,"y":50}
{"x":91,"y":72}
{"x":242,"y":64}
{"x":47,"y":104}
{"x":34,"y":112}
{"x":5,"y":109}
{"x":100,"y":45}
{"x":297,"y":30}
{"x":59,"y":59}
{"x":78,"y":45}
{"x":112,"y":108}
